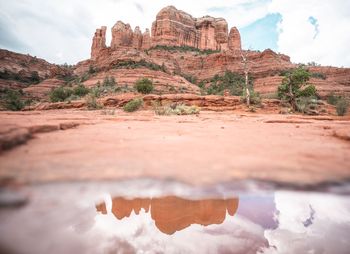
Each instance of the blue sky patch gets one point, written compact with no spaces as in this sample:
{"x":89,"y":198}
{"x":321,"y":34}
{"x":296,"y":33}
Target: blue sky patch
{"x":313,"y":21}
{"x":261,"y":34}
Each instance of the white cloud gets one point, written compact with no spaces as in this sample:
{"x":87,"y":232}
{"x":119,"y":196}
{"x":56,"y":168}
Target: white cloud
{"x":297,"y":37}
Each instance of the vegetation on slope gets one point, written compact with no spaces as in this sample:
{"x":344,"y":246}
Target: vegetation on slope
{"x":144,"y":86}
{"x":183,"y":49}
{"x":296,"y":90}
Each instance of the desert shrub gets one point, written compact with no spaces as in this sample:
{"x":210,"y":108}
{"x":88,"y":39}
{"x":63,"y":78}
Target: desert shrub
{"x":92,"y":69}
{"x":307,"y":105}
{"x":34,"y":77}
{"x":333,"y":99}
{"x":318,"y":75}
{"x":144,"y":86}
{"x":230,"y":81}
{"x":91,"y":102}
{"x":294,"y":86}
{"x":183,"y":109}
{"x":133,"y":105}
{"x":134,"y":65}
{"x":189,"y":78}
{"x":313,"y":64}
{"x":12,"y":100}
{"x":21,"y":76}
{"x":255,"y":97}
{"x":60,"y":94}
{"x":308,"y":91}
{"x":84,"y":77}
{"x":108,"y":87}
{"x":184,"y":49}
{"x":342,"y":106}
{"x":175,"y":109}
{"x":109,"y":81}
{"x":80,"y":90}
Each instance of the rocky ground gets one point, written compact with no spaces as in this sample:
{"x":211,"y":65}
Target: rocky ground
{"x":65,"y":145}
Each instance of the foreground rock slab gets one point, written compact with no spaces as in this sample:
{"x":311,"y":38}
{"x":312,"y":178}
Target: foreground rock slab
{"x":207,"y":148}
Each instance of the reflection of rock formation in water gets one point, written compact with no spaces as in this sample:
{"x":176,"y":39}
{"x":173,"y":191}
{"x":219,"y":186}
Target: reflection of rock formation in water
{"x":172,"y":213}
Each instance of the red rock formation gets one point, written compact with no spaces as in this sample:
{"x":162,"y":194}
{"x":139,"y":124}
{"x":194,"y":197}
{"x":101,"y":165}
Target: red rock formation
{"x":146,"y":40}
{"x":137,"y":38}
{"x":172,"y":27}
{"x":17,"y":70}
{"x":234,"y":39}
{"x":122,"y":35}
{"x":212,"y":33}
{"x":98,"y":42}
{"x":41,"y":90}
{"x":177,"y":28}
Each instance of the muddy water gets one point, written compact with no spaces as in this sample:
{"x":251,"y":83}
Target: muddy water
{"x":149,"y":216}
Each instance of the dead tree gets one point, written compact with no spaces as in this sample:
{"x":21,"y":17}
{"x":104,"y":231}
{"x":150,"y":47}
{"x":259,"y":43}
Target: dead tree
{"x":246,"y":69}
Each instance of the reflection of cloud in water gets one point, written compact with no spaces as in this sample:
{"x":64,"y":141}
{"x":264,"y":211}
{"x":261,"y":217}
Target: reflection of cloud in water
{"x":310,"y":223}
{"x":260,"y":209}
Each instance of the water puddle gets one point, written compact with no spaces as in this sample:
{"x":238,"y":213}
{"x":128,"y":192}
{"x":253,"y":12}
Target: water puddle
{"x":148,"y":216}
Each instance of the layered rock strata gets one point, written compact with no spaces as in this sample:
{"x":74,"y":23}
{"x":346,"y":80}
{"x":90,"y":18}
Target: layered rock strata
{"x":98,"y":42}
{"x":172,"y":27}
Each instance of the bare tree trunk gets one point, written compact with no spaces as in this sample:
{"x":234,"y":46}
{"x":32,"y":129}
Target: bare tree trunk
{"x":246,"y":72}
{"x":247,"y":93}
{"x":292,"y":98}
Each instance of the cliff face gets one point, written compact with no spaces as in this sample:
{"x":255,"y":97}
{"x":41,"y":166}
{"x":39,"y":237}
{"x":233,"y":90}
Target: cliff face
{"x":172,"y":27}
{"x":98,"y":42}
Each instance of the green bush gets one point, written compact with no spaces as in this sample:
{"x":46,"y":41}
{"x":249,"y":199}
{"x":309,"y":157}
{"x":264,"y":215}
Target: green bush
{"x":333,"y":99}
{"x":233,"y":82}
{"x":109,"y":82}
{"x":309,"y":91}
{"x":255,"y":97}
{"x":134,"y":65}
{"x":108,"y":87}
{"x":34,"y":77}
{"x":189,"y":78}
{"x":92,"y":69}
{"x":342,"y":106}
{"x":133,"y":105}
{"x":294,"y":86}
{"x":92,"y":103}
{"x":318,"y":75}
{"x":80,"y":90}
{"x":12,"y":100}
{"x":144,"y":86}
{"x":60,"y":94}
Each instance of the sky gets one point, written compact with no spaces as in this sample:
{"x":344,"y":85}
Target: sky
{"x":61,"y":31}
